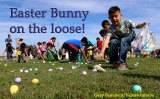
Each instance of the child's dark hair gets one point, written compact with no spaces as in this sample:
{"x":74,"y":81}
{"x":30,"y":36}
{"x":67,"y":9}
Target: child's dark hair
{"x":8,"y":44}
{"x":84,"y":39}
{"x":49,"y":44}
{"x":44,"y":42}
{"x":53,"y":38}
{"x":17,"y":48}
{"x":29,"y":49}
{"x":103,"y":32}
{"x":113,"y":10}
{"x":105,"y":22}
{"x":39,"y":43}
{"x":23,"y":45}
{"x":97,"y":38}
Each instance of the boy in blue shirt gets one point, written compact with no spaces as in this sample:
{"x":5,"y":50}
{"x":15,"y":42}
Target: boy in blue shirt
{"x":8,"y":40}
{"x":89,"y":48}
{"x":123,"y":34}
{"x":73,"y":46}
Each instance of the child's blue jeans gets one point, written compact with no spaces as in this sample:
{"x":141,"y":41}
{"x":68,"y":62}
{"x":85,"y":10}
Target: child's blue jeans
{"x":9,"y":55}
{"x":124,"y":44}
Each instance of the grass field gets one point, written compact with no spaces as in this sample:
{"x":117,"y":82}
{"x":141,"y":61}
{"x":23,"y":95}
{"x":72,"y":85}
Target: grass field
{"x":72,"y":84}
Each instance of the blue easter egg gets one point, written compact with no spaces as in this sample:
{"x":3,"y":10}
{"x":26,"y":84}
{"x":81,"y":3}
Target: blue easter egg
{"x":136,"y":89}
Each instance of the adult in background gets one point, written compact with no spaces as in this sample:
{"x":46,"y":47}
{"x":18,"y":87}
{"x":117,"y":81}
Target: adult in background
{"x":8,"y":41}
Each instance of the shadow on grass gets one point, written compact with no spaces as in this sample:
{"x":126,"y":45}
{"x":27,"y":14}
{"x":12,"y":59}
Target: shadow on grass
{"x":142,"y":76}
{"x":100,"y":60}
{"x":64,"y":61}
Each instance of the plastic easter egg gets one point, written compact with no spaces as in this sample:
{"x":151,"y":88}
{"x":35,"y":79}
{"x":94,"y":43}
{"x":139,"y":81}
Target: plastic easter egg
{"x":5,"y":65}
{"x":35,"y":81}
{"x":94,"y":70}
{"x":26,"y":71}
{"x":84,"y":73}
{"x":21,"y":70}
{"x":73,"y":67}
{"x":14,"y":89}
{"x":18,"y":80}
{"x":135,"y":64}
{"x":44,"y":61}
{"x":60,"y":68}
{"x":136,"y":89}
{"x":49,"y":70}
{"x":36,"y":69}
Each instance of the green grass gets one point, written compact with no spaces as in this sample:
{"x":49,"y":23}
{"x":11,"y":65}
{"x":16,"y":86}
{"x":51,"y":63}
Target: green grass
{"x":73,"y":84}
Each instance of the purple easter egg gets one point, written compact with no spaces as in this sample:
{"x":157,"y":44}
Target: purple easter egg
{"x":18,"y":80}
{"x":94,"y":70}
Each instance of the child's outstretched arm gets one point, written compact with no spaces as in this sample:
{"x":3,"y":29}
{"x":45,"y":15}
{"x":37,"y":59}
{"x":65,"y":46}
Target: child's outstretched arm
{"x":104,"y":38}
{"x":104,"y":46}
{"x":13,"y":48}
{"x":90,"y":47}
{"x":138,"y":26}
{"x":84,"y":55}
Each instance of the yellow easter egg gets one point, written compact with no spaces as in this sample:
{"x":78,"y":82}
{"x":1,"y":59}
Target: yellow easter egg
{"x":90,"y":52}
{"x":134,"y":55}
{"x":35,"y":81}
{"x":14,"y":89}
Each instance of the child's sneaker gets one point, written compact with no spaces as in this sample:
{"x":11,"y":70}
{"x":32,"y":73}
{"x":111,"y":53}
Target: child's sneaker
{"x":115,"y":66}
{"x":122,"y":66}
